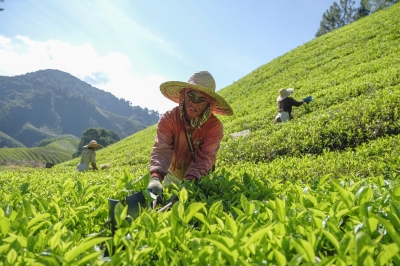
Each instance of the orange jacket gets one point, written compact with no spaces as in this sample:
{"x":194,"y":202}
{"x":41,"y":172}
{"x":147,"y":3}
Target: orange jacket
{"x":171,"y":149}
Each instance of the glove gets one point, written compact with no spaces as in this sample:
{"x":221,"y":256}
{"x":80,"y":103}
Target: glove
{"x":155,"y":186}
{"x":308,"y":99}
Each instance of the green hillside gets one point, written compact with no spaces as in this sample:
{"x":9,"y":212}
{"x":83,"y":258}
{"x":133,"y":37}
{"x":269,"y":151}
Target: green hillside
{"x":353,"y":75}
{"x":56,"y":152}
{"x":118,"y":123}
{"x":32,"y":135}
{"x":322,"y":189}
{"x":8,"y":142}
{"x":46,"y":104}
{"x":69,"y":146}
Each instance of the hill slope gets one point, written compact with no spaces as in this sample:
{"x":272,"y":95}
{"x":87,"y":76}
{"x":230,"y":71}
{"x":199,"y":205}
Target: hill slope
{"x":353,"y":75}
{"x":53,"y":102}
{"x":8,"y":142}
{"x":56,"y":152}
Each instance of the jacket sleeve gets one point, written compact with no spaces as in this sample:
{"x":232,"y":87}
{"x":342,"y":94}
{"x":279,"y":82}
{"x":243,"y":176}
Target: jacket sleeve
{"x":162,"y":153}
{"x":206,"y":154}
{"x":293,"y":102}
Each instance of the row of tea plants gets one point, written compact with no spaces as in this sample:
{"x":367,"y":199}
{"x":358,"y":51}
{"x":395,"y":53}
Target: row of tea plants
{"x":249,"y":215}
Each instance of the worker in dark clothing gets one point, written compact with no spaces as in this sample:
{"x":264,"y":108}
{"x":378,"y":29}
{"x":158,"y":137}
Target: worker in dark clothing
{"x":285,"y":104}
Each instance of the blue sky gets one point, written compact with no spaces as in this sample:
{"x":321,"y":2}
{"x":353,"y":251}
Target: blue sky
{"x":130,"y":47}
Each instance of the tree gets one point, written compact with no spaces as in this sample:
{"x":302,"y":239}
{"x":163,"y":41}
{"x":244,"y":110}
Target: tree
{"x":1,"y":9}
{"x":362,"y":11}
{"x":337,"y":16}
{"x":101,"y":135}
{"x":375,"y":5}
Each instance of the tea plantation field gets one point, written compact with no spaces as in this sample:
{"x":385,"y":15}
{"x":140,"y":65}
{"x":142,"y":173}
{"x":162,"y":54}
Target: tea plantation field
{"x":58,"y":151}
{"x":322,"y":189}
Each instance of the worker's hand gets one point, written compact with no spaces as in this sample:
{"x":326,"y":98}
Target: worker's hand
{"x":155,"y":186}
{"x":94,"y":166}
{"x":308,"y":99}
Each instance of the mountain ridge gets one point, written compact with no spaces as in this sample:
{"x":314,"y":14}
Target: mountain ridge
{"x":57,"y":103}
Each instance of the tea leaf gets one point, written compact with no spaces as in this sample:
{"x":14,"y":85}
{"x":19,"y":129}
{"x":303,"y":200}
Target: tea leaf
{"x":390,"y":229}
{"x":220,"y":222}
{"x":363,"y":195}
{"x":75,"y":197}
{"x":396,"y":191}
{"x":92,"y":188}
{"x":362,"y":241}
{"x":202,"y":218}
{"x":37,"y":219}
{"x":24,"y":188}
{"x":56,"y":207}
{"x":258,"y":235}
{"x":393,"y":219}
{"x":120,"y":213}
{"x":215,"y":209}
{"x":395,"y":208}
{"x":4,"y":248}
{"x":244,"y":203}
{"x":55,"y":240}
{"x":88,"y":258}
{"x":224,"y":244}
{"x":192,"y":210}
{"x":180,"y":210}
{"x":332,"y":239}
{"x":279,"y":257}
{"x":12,"y":256}
{"x":245,"y":230}
{"x":163,"y":231}
{"x":72,"y":254}
{"x":4,"y":225}
{"x":230,"y":224}
{"x":183,"y":195}
{"x":149,"y":196}
{"x":33,"y":229}
{"x":344,"y":195}
{"x":388,"y":252}
{"x":280,"y":209}
{"x":303,"y":246}
{"x":345,"y":245}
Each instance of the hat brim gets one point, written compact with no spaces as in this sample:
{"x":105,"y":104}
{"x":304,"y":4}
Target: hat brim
{"x":289,"y":91}
{"x":172,"y":89}
{"x":93,"y":146}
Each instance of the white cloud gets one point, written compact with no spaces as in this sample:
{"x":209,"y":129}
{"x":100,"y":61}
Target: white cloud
{"x":143,"y":91}
{"x":112,"y":72}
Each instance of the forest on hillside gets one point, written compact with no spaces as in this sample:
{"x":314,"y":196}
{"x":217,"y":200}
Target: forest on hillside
{"x":51,"y":103}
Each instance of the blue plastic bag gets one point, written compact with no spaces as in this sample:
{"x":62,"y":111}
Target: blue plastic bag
{"x":308,"y":99}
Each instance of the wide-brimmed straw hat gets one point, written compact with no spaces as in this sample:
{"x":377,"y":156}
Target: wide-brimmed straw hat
{"x":93,"y":144}
{"x":284,"y":93}
{"x":201,"y":81}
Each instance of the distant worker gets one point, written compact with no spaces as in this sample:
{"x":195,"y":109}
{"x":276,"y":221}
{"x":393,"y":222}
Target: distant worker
{"x":189,"y":135}
{"x":88,"y":156}
{"x":285,"y":104}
